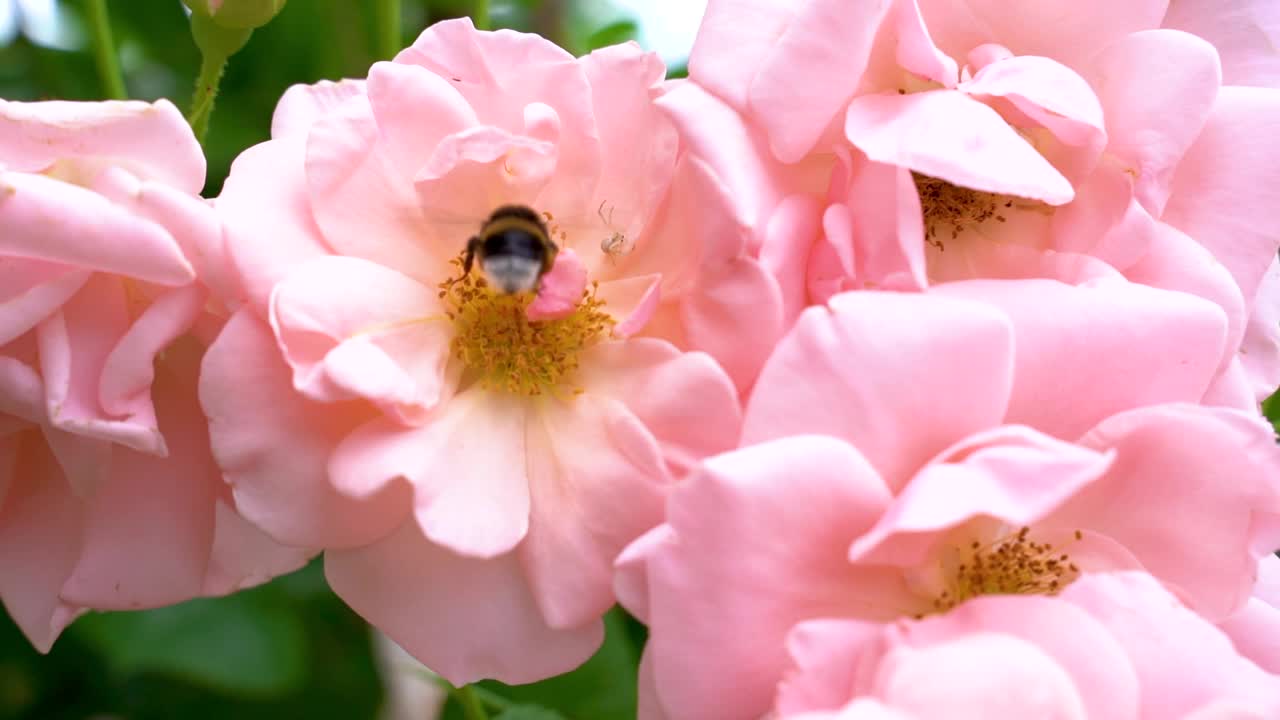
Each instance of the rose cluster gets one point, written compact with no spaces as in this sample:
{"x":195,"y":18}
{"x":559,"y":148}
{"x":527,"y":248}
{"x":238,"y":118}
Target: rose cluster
{"x":904,"y":361}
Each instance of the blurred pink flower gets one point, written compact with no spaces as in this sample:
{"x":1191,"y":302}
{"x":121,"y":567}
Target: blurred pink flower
{"x":1112,"y":646}
{"x":897,"y":143}
{"x":109,"y":497}
{"x":471,"y":475}
{"x":915,"y":451}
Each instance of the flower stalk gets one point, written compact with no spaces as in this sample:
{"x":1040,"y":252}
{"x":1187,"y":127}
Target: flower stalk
{"x":104,"y":50}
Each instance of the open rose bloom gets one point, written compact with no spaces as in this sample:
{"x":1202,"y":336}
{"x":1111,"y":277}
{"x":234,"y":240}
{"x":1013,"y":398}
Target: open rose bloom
{"x":109,"y":497}
{"x":472,"y":461}
{"x":1012,"y":442}
{"x":901,"y":143}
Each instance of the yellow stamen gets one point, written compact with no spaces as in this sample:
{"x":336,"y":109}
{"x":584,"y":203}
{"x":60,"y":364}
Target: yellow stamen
{"x":495,"y":340}
{"x":1009,"y":565}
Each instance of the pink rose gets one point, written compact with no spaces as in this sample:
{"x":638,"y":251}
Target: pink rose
{"x":109,"y":497}
{"x":897,"y":143}
{"x":470,"y":472}
{"x":912,"y":452}
{"x":1112,"y":645}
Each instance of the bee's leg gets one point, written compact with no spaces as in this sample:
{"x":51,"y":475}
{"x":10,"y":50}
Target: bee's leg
{"x":472,"y":246}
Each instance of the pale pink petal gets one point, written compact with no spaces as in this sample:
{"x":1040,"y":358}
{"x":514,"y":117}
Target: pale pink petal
{"x":350,"y":328}
{"x":1177,"y":488}
{"x":737,"y":154}
{"x":40,"y":531}
{"x":789,"y":239}
{"x":243,"y":556}
{"x":684,"y":399}
{"x":453,"y":48}
{"x":21,"y":393}
{"x":980,"y":675}
{"x":127,"y":371}
{"x":916,"y":51}
{"x":1066,"y":30}
{"x":476,"y":170}
{"x":825,"y":655}
{"x":465,"y":618}
{"x":267,"y":216}
{"x":1260,"y":349}
{"x":23,"y":311}
{"x":1177,"y":262}
{"x":468,"y":468}
{"x":1048,"y":92}
{"x":1011,"y":473}
{"x":638,"y":143}
{"x":812,"y":69}
{"x":273,"y":445}
{"x":761,"y":544}
{"x":415,"y":109}
{"x":631,"y":301}
{"x":90,"y":232}
{"x":1246,"y":34}
{"x":1103,"y":204}
{"x":1078,"y":644}
{"x":302,"y":105}
{"x":364,"y":205}
{"x":950,"y":136}
{"x":75,"y":346}
{"x":734,"y":42}
{"x":992,"y":260}
{"x":1182,"y":661}
{"x":630,"y":578}
{"x":887,"y":226}
{"x":1255,"y":631}
{"x":1158,"y":88}
{"x":149,"y":524}
{"x":1084,"y":353}
{"x":596,"y":477}
{"x":877,"y":353}
{"x":1226,"y":189}
{"x":151,"y":140}
{"x":735,"y":315}
{"x":561,"y":289}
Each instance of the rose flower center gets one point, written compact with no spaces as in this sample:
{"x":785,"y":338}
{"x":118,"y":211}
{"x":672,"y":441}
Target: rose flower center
{"x":1010,"y":565}
{"x":950,"y":209}
{"x":495,"y":340}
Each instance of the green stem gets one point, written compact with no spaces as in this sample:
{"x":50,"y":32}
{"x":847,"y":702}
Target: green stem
{"x":104,"y":50}
{"x":480,"y":14}
{"x":211,"y":69}
{"x":387,"y":18}
{"x":472,"y":708}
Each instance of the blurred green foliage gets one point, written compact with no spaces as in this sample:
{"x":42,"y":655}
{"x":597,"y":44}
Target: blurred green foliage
{"x":290,"y":648}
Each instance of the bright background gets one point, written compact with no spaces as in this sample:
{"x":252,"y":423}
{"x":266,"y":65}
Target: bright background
{"x":290,"y":648}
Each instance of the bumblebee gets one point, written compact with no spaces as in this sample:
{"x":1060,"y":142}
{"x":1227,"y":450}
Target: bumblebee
{"x":514,"y":249}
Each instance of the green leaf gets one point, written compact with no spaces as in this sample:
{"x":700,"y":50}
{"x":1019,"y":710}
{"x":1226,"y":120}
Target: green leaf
{"x":613,"y":34}
{"x":529,"y":712}
{"x":242,"y":643}
{"x":603,"y":688}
